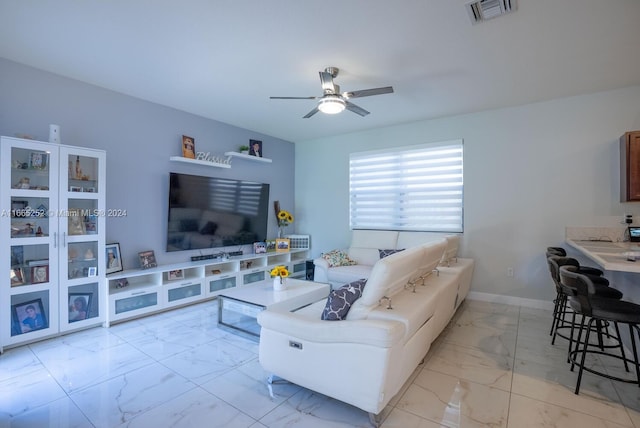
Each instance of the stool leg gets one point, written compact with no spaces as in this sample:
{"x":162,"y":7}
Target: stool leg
{"x":635,"y":349}
{"x":624,"y":357}
{"x":584,"y":356}
{"x":575,"y":351}
{"x":555,"y":313}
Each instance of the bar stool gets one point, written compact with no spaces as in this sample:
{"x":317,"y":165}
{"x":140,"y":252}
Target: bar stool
{"x":602,"y":310}
{"x":563,"y":291}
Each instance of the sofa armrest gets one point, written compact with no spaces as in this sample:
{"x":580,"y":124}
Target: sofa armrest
{"x":320,"y":270}
{"x":380,"y":333}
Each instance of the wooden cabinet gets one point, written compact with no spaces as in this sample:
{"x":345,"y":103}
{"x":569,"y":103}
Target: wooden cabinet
{"x":630,"y":167}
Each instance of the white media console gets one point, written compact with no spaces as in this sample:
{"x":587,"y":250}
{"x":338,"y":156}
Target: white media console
{"x":153,"y":290}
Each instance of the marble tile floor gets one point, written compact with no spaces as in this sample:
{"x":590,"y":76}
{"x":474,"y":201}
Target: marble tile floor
{"x":493,"y":366}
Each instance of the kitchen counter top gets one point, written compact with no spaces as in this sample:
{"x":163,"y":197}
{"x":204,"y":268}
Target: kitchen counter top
{"x":610,"y":255}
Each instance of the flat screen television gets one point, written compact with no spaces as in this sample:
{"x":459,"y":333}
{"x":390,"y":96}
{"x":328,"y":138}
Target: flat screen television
{"x":211,"y":212}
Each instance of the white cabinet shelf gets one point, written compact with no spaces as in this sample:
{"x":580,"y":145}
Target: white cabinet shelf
{"x":199,"y":162}
{"x":248,"y":157}
{"x":151,"y":290}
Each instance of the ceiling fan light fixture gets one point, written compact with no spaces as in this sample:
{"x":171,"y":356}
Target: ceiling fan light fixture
{"x":331,"y":104}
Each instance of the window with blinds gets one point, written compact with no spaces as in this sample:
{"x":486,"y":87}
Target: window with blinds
{"x":416,"y":188}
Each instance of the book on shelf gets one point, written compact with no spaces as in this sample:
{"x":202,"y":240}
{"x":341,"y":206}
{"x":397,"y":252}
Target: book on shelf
{"x":40,"y":262}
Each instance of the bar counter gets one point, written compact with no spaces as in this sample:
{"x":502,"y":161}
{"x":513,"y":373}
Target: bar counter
{"x":611,"y":256}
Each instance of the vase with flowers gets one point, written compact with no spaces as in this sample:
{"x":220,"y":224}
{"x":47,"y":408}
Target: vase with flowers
{"x":283,"y":217}
{"x":279,"y":273}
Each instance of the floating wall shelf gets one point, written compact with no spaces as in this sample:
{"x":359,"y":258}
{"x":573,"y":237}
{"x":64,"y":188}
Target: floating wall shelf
{"x":248,"y":157}
{"x":200,"y":162}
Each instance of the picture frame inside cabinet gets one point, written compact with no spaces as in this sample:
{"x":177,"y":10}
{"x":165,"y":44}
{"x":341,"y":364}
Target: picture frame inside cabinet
{"x":76,"y":222}
{"x":28,"y":316}
{"x":79,"y":306}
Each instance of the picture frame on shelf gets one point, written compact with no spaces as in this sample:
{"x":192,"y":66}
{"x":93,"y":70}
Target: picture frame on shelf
{"x":113,"y":258}
{"x":75,"y":189}
{"x":79,"y":306}
{"x":92,"y":271}
{"x":17,"y":277}
{"x":282,"y":245}
{"x":271,"y":245}
{"x":17,"y":255}
{"x":39,"y":274}
{"x":19,"y":208}
{"x":122,"y":283}
{"x":147,"y":259}
{"x":91,"y":224}
{"x":255,"y":148}
{"x":89,"y":189}
{"x":76,"y":222}
{"x":175,"y":274}
{"x":39,"y":160}
{"x":188,"y":147}
{"x":259,"y":247}
{"x":29,"y":316}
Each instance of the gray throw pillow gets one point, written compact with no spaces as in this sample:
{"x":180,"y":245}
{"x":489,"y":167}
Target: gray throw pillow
{"x":385,"y":253}
{"x":339,"y":301}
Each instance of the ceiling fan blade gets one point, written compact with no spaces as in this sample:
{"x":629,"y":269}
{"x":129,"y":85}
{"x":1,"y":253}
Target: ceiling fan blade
{"x":327,"y":82}
{"x":356,"y":109}
{"x":311,"y":113}
{"x":292,"y":98}
{"x":369,"y":92}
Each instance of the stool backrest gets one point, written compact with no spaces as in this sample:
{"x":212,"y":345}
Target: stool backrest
{"x":556,"y":251}
{"x":555,"y":263}
{"x":583,"y":288}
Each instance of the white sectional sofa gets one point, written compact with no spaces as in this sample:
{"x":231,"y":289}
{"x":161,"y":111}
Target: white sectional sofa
{"x":364,"y":250}
{"x":365,"y":359}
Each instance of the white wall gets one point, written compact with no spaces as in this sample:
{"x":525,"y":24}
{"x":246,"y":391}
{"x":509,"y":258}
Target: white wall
{"x":529,"y":172}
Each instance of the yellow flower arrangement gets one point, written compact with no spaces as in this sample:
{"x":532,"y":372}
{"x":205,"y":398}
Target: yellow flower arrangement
{"x":280,"y":271}
{"x":284,"y":218}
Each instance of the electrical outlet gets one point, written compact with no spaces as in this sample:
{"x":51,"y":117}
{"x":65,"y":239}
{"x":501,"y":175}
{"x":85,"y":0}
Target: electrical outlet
{"x":510,"y":272}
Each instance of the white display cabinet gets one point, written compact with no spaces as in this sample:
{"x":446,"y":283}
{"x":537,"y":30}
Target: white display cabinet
{"x":52,"y":200}
{"x":139,"y":292}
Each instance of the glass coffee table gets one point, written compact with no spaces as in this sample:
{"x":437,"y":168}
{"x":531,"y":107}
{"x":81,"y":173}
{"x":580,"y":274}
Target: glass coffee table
{"x":238,"y":308}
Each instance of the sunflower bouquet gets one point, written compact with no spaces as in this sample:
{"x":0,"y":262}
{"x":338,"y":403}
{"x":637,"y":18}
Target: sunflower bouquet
{"x":283,"y":217}
{"x":279,"y":271}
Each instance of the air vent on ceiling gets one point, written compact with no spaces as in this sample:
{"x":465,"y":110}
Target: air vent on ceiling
{"x":482,"y":10}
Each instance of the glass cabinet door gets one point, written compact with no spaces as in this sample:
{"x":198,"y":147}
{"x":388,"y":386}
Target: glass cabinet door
{"x":29,"y":234}
{"x":82,"y":236}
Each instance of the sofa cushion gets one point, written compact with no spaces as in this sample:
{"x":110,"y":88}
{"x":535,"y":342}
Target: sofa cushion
{"x":364,"y":256}
{"x":339,"y":301}
{"x":338,"y":258}
{"x":388,"y":276}
{"x":341,"y":275}
{"x":385,"y":253}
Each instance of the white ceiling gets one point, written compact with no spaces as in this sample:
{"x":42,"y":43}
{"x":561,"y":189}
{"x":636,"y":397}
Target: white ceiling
{"x":222,"y":59}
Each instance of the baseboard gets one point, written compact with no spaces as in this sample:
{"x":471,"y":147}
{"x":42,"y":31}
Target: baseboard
{"x":510,"y":300}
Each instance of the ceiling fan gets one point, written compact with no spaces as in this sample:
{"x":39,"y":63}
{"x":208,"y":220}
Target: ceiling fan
{"x":332,"y":101}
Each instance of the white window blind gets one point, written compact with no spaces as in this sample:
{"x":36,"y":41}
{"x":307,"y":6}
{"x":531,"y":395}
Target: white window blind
{"x":410,"y":188}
